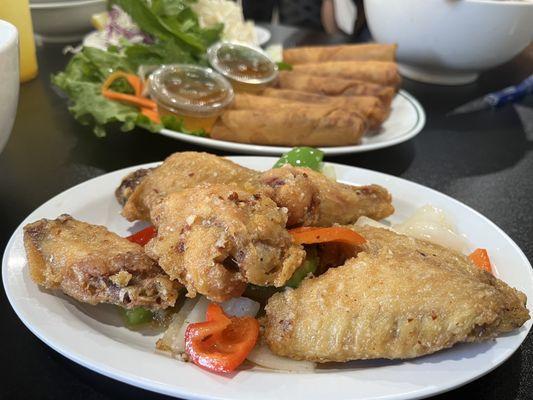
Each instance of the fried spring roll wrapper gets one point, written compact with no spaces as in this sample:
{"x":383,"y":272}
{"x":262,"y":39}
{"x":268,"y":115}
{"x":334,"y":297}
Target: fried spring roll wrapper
{"x":349,"y":52}
{"x":333,"y":86}
{"x":291,"y":126}
{"x":380,"y":72}
{"x":370,"y":108}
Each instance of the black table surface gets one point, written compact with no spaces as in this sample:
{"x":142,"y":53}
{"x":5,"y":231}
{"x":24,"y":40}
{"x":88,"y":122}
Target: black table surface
{"x":484,"y":160}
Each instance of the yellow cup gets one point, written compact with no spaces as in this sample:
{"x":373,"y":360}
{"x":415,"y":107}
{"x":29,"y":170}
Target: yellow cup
{"x":18,"y":13}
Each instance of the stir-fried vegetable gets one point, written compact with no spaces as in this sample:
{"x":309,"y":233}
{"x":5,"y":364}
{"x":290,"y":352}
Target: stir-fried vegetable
{"x":302,"y":157}
{"x":143,"y":236}
{"x":480,"y":257}
{"x":434,"y":225}
{"x":311,"y":235}
{"x":309,"y":266}
{"x":138,"y":316}
{"x":221,"y":344}
{"x":261,"y":355}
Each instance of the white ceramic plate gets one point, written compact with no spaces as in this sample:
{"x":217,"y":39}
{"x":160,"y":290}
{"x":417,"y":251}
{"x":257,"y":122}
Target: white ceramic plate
{"x":406,"y":120}
{"x":263,"y":34}
{"x":95,"y":338}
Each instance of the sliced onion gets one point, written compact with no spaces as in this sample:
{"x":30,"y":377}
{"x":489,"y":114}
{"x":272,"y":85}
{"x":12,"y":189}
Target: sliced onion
{"x":329,"y":171}
{"x":241,"y":307}
{"x":365,"y":221}
{"x":261,"y":355}
{"x":173,"y":340}
{"x":432,"y":224}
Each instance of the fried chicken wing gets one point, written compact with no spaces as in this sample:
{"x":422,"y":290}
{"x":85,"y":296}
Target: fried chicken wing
{"x":316,"y":200}
{"x":179,"y":171}
{"x":215,"y":239}
{"x":93,"y":265}
{"x":310,"y":197}
{"x":399,"y":298}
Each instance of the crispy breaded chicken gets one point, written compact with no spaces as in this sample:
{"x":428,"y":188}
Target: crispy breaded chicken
{"x":316,"y":200}
{"x":216,"y":239}
{"x":179,"y":171}
{"x":310,"y":197}
{"x":93,"y":265}
{"x":399,"y":298}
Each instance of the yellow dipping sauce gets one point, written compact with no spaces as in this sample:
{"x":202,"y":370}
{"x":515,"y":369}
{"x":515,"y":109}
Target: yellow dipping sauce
{"x":194,"y":94}
{"x":248,"y":68}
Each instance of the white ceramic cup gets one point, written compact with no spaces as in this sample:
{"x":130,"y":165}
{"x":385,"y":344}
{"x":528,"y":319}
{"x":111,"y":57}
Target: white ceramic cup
{"x":9,"y":82}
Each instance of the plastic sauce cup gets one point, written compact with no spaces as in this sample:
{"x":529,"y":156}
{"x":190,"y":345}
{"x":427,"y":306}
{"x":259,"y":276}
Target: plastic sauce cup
{"x":194,"y":94}
{"x":249,"y":69}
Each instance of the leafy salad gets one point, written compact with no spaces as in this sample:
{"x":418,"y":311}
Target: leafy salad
{"x":137,"y":33}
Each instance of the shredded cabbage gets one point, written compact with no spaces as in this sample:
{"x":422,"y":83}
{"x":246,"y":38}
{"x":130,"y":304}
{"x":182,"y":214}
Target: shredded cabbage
{"x":213,"y":12}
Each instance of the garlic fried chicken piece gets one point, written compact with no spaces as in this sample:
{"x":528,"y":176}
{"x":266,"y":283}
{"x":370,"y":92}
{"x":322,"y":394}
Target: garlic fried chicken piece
{"x":93,"y":265}
{"x":313,"y":199}
{"x":216,"y":239}
{"x":140,"y":191}
{"x":399,"y":298}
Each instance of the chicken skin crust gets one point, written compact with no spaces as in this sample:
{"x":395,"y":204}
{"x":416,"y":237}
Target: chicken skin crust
{"x":93,"y":265}
{"x":399,"y":298}
{"x":313,"y":199}
{"x":310,"y":198}
{"x":216,"y":239}
{"x":139,"y":192}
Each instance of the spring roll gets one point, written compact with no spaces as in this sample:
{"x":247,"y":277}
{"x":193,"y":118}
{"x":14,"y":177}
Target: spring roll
{"x":291,"y":126}
{"x":333,"y":86}
{"x":380,"y":72}
{"x":349,"y":52}
{"x":368,"y":107}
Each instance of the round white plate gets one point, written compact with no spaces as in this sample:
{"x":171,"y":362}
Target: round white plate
{"x":406,"y":120}
{"x":263,"y":34}
{"x":95,"y":337}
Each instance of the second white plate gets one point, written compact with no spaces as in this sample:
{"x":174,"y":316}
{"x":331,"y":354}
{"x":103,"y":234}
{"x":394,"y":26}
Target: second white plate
{"x":406,"y":120}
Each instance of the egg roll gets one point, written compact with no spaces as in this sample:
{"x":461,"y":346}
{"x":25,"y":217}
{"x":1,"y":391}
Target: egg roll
{"x":348,"y":52}
{"x":333,"y":86}
{"x":368,"y":107}
{"x":291,"y":126}
{"x":380,"y":72}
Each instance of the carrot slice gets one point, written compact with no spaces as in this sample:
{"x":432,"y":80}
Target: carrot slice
{"x":140,"y":102}
{"x":480,"y":258}
{"x":147,"y":107}
{"x":132,"y":79}
{"x":310,"y":235}
{"x":152,"y":114}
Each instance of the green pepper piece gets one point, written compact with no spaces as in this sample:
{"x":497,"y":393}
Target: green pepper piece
{"x":138,"y":316}
{"x":309,"y":266}
{"x":302,"y":157}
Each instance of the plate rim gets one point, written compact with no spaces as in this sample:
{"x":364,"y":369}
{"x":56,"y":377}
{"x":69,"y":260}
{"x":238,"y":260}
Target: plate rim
{"x":331,"y":151}
{"x":172,"y":390}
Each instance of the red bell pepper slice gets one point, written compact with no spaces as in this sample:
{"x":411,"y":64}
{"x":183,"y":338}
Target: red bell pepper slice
{"x":143,"y":236}
{"x":221,"y":343}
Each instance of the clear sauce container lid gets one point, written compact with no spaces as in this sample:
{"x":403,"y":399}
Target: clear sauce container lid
{"x":241,"y":62}
{"x":190,"y":88}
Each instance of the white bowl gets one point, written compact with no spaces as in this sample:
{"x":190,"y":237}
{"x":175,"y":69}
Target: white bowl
{"x":64,"y":21}
{"x":9,"y":84}
{"x":451,"y":42}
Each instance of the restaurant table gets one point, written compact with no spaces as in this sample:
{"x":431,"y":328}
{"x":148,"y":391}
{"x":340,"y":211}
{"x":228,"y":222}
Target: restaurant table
{"x":484,"y":160}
